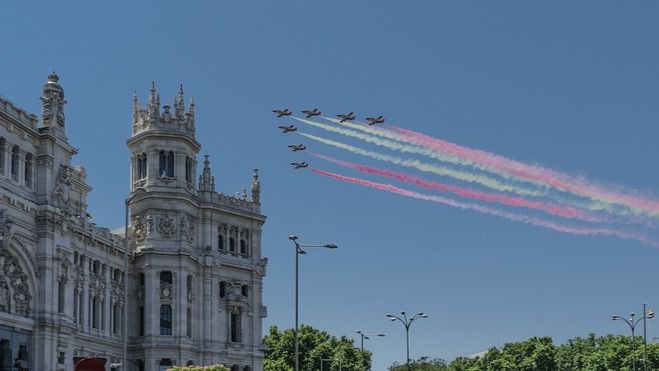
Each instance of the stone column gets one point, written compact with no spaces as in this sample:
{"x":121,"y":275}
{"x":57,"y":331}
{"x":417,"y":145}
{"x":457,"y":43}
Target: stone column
{"x":151,"y":303}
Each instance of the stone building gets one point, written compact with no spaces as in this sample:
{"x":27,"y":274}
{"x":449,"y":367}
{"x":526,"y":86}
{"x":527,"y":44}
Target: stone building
{"x":195,"y":269}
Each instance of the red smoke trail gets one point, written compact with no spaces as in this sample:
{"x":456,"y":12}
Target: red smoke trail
{"x":547,"y":207}
{"x":487,"y":210}
{"x":542,"y":175}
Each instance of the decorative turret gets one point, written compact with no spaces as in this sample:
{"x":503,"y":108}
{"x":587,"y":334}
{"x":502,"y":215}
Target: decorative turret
{"x":53,"y":105}
{"x":256,"y":188}
{"x":179,"y":103}
{"x":206,"y":180}
{"x":151,"y":117}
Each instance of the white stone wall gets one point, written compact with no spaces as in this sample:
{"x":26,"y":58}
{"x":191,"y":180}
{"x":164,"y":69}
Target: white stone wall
{"x":61,"y":276}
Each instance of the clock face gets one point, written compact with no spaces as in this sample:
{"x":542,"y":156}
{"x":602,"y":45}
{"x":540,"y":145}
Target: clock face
{"x":166,"y":292}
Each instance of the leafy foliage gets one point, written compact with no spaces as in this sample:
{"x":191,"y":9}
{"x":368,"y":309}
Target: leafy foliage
{"x":421,"y":364}
{"x":592,"y":353}
{"x":200,"y":368}
{"x":314,"y":345}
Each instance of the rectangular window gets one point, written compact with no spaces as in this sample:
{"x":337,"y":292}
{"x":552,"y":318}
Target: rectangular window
{"x":61,"y":292}
{"x":188,"y":169}
{"x":116,"y":318}
{"x":235,"y":326}
{"x":189,"y":322}
{"x":75,"y":305}
{"x":14,"y":163}
{"x":28,"y":170}
{"x":141,"y":321}
{"x":165,"y":319}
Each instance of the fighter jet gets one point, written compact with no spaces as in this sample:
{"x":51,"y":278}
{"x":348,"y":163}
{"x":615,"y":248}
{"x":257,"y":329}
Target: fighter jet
{"x":347,"y":117}
{"x":280,"y":113}
{"x":313,"y":112}
{"x":375,"y":120}
{"x":299,"y":165}
{"x":286,"y":129}
{"x":297,"y":147}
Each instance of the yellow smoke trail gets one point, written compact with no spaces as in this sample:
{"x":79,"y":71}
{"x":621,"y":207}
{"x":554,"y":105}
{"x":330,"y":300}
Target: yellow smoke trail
{"x":429,"y":168}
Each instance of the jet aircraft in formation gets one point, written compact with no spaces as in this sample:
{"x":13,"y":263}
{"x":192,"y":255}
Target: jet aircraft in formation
{"x":281,"y":113}
{"x":347,"y":116}
{"x":297,"y":147}
{"x":311,"y":113}
{"x":299,"y":165}
{"x":375,"y":120}
{"x":287,"y":129}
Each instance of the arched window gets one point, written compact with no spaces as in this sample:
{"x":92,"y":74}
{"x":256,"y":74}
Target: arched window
{"x":232,"y":245}
{"x":14,"y":162}
{"x":28,"y":170}
{"x":188,"y":169}
{"x":141,"y":166}
{"x":166,"y":164}
{"x":3,"y":150}
{"x":243,"y":247}
{"x":223,"y":289}
{"x":220,"y":243}
{"x":165,"y":319}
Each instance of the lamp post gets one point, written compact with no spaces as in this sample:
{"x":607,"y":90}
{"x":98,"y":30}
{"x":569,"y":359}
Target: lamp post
{"x":367,"y":337}
{"x":631,"y":322}
{"x":407,"y":322}
{"x":299,"y":251}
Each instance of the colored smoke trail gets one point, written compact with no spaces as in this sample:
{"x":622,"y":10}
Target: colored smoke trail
{"x":487,"y":210}
{"x":506,"y":168}
{"x":547,"y":207}
{"x":536,"y":174}
{"x":430,"y":168}
{"x":396,"y":146}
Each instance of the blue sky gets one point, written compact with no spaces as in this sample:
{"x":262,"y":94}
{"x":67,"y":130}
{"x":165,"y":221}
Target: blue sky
{"x":569,"y":85}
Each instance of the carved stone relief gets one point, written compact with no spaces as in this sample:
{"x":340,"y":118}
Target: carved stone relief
{"x":14,"y":278}
{"x":166,"y":226}
{"x":62,"y":191}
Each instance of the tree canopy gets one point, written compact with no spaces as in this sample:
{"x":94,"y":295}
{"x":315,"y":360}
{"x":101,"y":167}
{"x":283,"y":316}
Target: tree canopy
{"x":592,"y":353}
{"x":314,"y":345}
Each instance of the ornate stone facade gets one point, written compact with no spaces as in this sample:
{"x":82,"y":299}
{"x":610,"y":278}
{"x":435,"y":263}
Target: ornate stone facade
{"x":195,"y":266}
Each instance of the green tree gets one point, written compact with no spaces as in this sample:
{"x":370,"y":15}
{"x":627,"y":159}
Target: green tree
{"x":314,"y":345}
{"x":200,"y":368}
{"x":421,"y":364}
{"x":592,"y":353}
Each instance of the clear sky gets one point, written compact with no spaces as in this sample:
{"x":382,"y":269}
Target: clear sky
{"x":569,"y":85}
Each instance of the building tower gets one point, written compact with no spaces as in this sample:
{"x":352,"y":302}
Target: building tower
{"x":196,"y":269}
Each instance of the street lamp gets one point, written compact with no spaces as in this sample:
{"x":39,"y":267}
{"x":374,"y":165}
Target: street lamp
{"x":631,"y":322}
{"x":299,"y":251}
{"x":407,"y":322}
{"x":367,"y":337}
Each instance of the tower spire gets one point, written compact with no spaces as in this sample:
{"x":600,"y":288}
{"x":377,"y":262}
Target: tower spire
{"x":256,"y":187}
{"x":179,"y":103}
{"x":206,"y":180}
{"x":153,"y":107}
{"x":136,"y":107}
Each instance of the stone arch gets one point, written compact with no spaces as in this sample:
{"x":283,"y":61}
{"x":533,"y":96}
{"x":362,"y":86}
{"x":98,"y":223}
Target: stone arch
{"x":16,"y":283}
